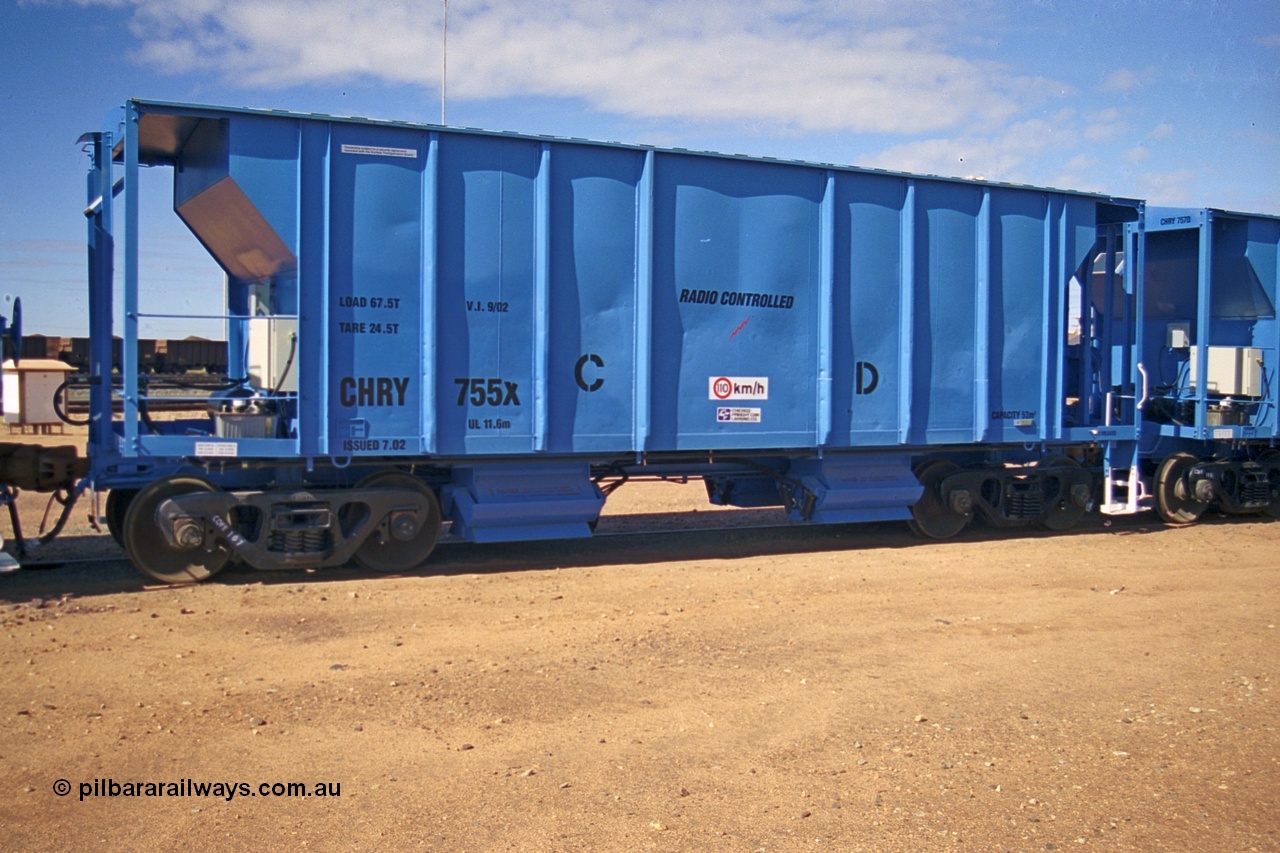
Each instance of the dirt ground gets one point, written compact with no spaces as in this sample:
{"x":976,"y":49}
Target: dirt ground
{"x":843,"y":688}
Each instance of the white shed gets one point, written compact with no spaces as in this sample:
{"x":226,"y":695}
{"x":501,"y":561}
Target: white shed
{"x":28,"y":389}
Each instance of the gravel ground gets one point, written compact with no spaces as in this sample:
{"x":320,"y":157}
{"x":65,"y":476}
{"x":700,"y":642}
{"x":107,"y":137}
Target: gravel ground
{"x":733,"y":688}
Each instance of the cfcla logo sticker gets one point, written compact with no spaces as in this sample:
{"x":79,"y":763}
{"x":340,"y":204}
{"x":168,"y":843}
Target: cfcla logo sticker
{"x":738,"y":388}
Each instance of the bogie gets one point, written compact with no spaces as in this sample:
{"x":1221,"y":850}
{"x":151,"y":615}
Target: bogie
{"x":1186,"y":486}
{"x":168,"y":544}
{"x":1054,"y":493}
{"x":389,"y":522}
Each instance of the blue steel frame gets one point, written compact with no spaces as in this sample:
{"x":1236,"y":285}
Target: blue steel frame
{"x":1202,"y":278}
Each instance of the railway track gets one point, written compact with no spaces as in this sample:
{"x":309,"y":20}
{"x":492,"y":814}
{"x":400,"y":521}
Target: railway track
{"x":188,"y":393}
{"x":659,"y":531}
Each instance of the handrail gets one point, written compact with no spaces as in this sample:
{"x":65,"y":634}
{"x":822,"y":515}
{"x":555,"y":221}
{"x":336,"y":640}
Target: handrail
{"x":145,"y":316}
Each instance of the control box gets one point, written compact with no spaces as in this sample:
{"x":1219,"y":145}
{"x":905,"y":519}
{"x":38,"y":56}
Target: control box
{"x":273,"y":354}
{"x":1230,"y":371}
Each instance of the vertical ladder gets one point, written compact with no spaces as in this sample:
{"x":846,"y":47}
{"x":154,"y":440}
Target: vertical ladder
{"x":1121,"y":478}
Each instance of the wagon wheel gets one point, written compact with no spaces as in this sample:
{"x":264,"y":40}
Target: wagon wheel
{"x":118,"y":501}
{"x":388,"y":551}
{"x":931,"y":517}
{"x":1063,"y":514}
{"x":1175,"y":503}
{"x":1270,"y":462}
{"x":149,"y":548}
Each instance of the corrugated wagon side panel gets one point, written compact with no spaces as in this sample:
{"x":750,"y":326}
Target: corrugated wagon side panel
{"x":1020,"y":281}
{"x":736,"y":273}
{"x":944,"y":312}
{"x":593,"y":297}
{"x":867,"y":306}
{"x":375,"y":285}
{"x":486,"y":305}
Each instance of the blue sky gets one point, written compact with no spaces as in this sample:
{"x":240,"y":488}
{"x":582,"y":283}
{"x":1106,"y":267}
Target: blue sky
{"x":1174,"y":101}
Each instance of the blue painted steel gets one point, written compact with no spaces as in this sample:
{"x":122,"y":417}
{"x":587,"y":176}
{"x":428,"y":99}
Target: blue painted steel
{"x":593,"y":298}
{"x":1016,"y":328}
{"x":906,"y":319}
{"x":541,"y":297}
{"x":644,"y":307}
{"x":129,"y":350}
{"x":848,"y":489}
{"x":464,"y":297}
{"x":101,"y":309}
{"x":868,"y":305}
{"x":982,"y":337}
{"x":945,"y":301}
{"x":314,"y":298}
{"x":1216,"y":275}
{"x":826,"y":319}
{"x":736,"y":287}
{"x":375,"y":283}
{"x":485,"y":305}
{"x":505,"y":502}
{"x":430,"y":291}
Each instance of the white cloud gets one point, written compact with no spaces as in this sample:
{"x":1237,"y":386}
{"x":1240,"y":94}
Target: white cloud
{"x":799,"y":65}
{"x":1079,"y":172}
{"x":1104,"y":124}
{"x":1006,"y":155}
{"x":1168,"y":188}
{"x":1128,"y":80}
{"x":1120,"y":80}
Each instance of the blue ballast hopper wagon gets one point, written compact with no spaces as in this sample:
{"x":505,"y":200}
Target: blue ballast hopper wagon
{"x":495,"y":329}
{"x":1209,"y":310}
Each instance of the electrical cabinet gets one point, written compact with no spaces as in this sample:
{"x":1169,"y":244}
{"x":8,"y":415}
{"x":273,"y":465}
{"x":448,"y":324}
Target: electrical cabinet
{"x":273,"y":354}
{"x":1230,"y":371}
